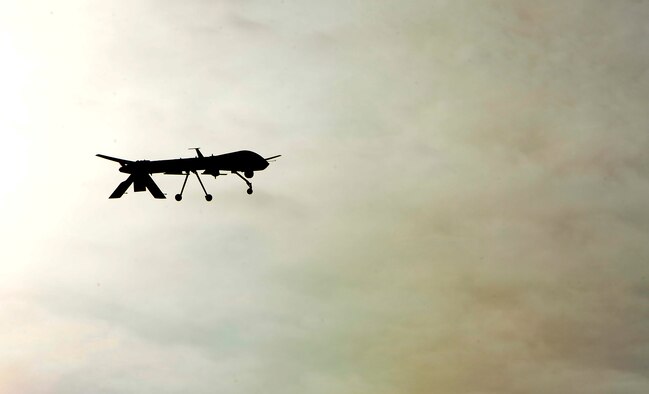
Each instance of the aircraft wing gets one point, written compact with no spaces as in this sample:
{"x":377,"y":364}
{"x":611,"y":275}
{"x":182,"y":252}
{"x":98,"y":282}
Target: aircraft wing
{"x":120,"y":161}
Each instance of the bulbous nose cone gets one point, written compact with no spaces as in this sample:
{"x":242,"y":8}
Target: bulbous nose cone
{"x":259,"y":162}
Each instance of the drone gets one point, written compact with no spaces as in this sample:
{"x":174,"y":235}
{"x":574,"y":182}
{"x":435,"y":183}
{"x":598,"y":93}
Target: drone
{"x":140,"y":171}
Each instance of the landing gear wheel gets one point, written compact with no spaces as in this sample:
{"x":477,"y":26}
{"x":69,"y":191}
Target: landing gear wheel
{"x":208,"y":197}
{"x":178,"y":197}
{"x":249,"y":191}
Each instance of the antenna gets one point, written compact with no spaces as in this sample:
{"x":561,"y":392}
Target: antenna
{"x":198,"y":152}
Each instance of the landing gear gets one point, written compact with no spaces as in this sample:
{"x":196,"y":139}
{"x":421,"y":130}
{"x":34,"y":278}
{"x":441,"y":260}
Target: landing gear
{"x":249,"y":191}
{"x":179,"y":196}
{"x":208,"y":197}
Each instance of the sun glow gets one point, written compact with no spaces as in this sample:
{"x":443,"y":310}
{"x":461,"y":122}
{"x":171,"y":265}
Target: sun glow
{"x":13,"y":116}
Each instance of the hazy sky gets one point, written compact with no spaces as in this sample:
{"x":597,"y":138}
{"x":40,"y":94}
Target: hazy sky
{"x":461,"y":205}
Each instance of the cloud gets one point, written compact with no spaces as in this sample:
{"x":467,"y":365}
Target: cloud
{"x":460,"y":205}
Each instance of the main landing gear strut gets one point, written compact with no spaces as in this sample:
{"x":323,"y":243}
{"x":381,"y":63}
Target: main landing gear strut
{"x":179,"y":196}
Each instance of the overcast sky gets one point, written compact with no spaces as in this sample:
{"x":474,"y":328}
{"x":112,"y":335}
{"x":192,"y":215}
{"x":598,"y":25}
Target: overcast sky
{"x":461,"y":205}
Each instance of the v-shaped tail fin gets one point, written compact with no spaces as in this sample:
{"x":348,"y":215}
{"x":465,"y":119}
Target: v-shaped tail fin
{"x":143,"y":182}
{"x":152,"y":187}
{"x":122,"y":187}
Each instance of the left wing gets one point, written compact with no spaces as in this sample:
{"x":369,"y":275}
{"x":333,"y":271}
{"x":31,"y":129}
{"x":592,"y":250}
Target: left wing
{"x":120,"y":161}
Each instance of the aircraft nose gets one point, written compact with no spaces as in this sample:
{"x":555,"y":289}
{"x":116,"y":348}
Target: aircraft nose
{"x":261,"y":163}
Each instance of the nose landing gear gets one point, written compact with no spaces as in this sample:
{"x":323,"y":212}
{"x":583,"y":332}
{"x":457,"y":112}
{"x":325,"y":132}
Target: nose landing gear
{"x":249,"y":191}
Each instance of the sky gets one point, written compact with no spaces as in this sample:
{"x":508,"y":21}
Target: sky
{"x":461,"y":204}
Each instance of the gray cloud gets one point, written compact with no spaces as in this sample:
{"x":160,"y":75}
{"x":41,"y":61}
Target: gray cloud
{"x":460,"y":206}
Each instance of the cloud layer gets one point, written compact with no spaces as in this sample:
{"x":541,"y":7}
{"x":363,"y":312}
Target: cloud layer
{"x":460,"y":208}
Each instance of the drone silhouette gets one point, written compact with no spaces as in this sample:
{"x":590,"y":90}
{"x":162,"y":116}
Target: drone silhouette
{"x":140,"y":171}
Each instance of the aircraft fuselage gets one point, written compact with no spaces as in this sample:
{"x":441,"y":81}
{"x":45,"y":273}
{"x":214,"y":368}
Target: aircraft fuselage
{"x":244,"y":161}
